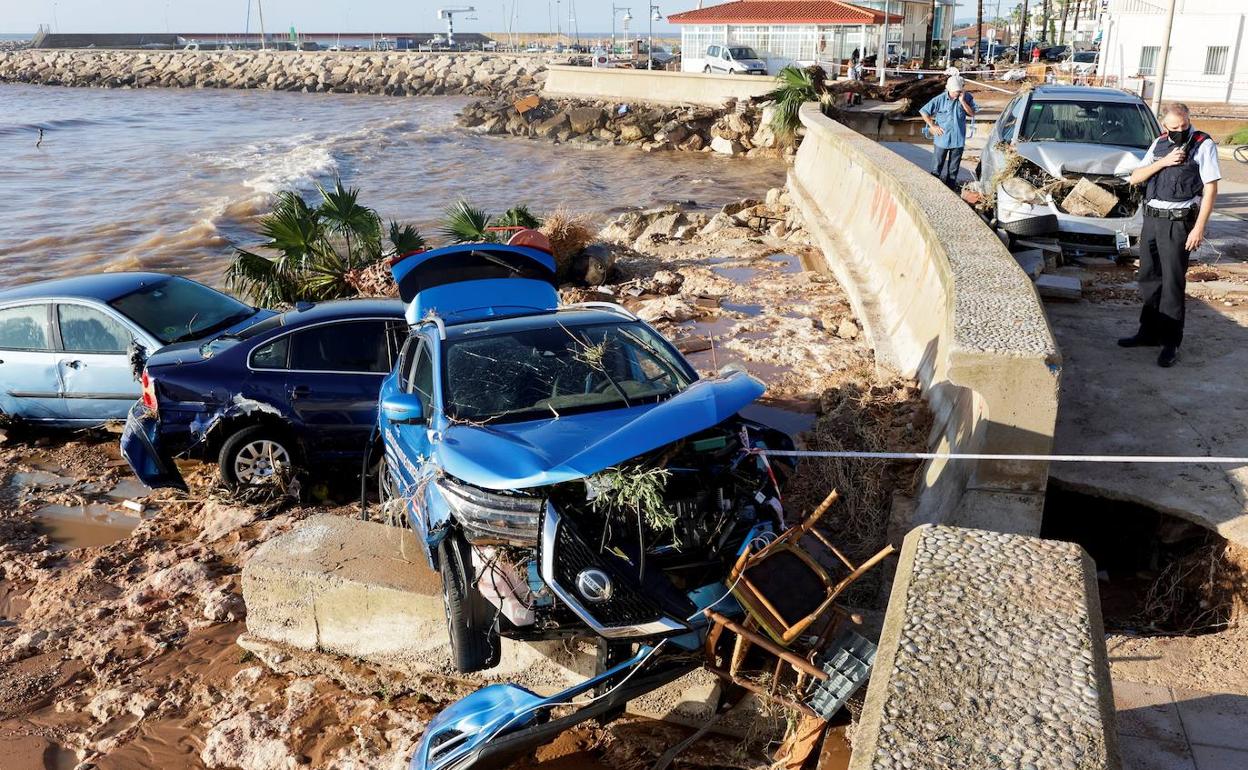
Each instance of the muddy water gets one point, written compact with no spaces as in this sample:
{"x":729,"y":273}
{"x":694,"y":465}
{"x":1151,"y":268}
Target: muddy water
{"x":171,"y":180}
{"x":77,"y":512}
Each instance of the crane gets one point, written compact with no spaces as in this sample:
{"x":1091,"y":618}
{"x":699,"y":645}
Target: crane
{"x":449,"y":15}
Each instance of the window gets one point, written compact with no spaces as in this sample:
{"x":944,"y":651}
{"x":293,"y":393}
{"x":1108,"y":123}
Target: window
{"x":25,"y":328}
{"x":1215,"y":60}
{"x":420,"y":381}
{"x":1148,"y":59}
{"x":87,"y":330}
{"x":271,"y":356}
{"x":175,"y":309}
{"x":1007,"y":123}
{"x":352,"y":346}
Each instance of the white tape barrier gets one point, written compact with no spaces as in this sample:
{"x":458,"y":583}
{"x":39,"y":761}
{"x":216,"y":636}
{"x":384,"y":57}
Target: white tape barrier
{"x":1155,"y":459}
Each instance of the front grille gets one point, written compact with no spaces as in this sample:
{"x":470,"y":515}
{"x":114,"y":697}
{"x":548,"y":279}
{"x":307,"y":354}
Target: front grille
{"x":628,"y":605}
{"x":1097,"y":241}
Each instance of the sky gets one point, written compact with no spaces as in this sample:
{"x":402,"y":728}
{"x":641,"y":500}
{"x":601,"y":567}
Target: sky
{"x":592,"y":16}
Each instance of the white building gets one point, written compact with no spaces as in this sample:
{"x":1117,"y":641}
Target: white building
{"x":1208,"y":60}
{"x":803,"y":32}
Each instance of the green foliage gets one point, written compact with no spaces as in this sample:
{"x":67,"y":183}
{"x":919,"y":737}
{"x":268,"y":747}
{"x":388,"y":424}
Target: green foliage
{"x":632,"y":492}
{"x":796,"y":86}
{"x":1239,"y":137}
{"x":317,"y":251}
{"x":465,"y":223}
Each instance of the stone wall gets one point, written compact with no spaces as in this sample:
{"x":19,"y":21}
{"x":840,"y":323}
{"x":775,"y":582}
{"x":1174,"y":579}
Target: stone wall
{"x":992,"y":655}
{"x":940,"y":299}
{"x":398,"y":74}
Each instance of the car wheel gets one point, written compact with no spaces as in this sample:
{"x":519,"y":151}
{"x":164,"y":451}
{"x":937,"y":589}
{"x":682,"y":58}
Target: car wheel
{"x":475,"y":644}
{"x":1045,"y":224}
{"x":254,"y":455}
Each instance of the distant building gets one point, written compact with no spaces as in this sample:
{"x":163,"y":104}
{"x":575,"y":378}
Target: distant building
{"x":1208,"y":59}
{"x":804,"y":32}
{"x":967,"y":36}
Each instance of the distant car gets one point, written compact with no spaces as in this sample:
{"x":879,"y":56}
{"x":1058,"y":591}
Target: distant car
{"x":534,"y":48}
{"x":734,"y":59}
{"x":1064,"y":134}
{"x":1082,"y":63}
{"x":298,"y":389}
{"x":65,"y":343}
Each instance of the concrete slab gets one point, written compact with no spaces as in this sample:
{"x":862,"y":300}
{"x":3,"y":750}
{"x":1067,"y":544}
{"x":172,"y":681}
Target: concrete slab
{"x":1216,"y":758}
{"x":1059,"y":287}
{"x":1147,"y":711}
{"x":1150,"y":754}
{"x":1118,"y":401}
{"x":1031,"y":261}
{"x":1214,"y":719}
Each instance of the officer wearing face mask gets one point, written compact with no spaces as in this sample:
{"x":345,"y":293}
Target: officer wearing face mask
{"x":1180,"y":173}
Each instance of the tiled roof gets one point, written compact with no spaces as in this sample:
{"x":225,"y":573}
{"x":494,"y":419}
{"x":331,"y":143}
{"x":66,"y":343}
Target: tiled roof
{"x":783,"y":12}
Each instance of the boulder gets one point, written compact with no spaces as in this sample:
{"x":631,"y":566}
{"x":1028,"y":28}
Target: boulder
{"x":631,"y":132}
{"x":551,"y":126}
{"x":725,"y":146}
{"x":585,"y":119}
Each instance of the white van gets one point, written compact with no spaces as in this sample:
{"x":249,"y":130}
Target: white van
{"x":734,"y":59}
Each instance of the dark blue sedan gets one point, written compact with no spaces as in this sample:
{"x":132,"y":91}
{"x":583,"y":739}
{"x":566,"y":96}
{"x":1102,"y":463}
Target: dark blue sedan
{"x":296,"y":390}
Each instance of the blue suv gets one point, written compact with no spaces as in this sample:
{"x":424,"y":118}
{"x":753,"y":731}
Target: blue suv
{"x":566,"y":469}
{"x":297,"y":389}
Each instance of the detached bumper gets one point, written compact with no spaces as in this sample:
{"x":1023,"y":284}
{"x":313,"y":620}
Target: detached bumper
{"x":140,"y":445}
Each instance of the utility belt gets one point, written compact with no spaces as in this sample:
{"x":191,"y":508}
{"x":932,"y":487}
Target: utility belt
{"x":1187,"y":214}
{"x":1173,"y":215}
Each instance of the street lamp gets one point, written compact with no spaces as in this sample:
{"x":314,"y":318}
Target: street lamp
{"x":628,"y":16}
{"x":654,"y":16}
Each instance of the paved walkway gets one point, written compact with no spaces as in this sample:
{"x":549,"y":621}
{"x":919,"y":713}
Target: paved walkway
{"x":1161,"y":728}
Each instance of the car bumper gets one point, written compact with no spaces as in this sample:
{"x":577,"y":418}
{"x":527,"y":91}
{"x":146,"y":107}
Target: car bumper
{"x":141,"y":447}
{"x":1087,"y":233}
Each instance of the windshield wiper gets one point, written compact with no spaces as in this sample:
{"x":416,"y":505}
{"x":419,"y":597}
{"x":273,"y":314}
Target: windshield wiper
{"x":224,"y":323}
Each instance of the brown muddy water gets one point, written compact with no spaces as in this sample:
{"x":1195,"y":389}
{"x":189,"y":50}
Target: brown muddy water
{"x":172,"y":180}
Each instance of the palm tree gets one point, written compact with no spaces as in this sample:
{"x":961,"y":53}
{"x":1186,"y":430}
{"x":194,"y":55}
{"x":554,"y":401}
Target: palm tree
{"x":1065,"y":11}
{"x":1022,"y":32}
{"x":464,"y":223}
{"x":927,"y":49}
{"x":795,"y":87}
{"x":319,"y":251}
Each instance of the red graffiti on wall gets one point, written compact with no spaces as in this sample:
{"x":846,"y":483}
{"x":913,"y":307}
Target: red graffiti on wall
{"x":883,"y":211}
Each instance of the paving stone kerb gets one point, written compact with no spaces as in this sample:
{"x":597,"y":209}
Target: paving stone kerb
{"x":657,"y":87}
{"x":941,"y":299}
{"x":393,"y":73}
{"x":992,"y":656}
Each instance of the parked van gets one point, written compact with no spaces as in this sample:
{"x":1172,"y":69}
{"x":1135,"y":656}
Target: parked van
{"x":734,"y":59}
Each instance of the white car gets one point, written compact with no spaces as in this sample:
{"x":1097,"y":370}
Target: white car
{"x":734,"y":59}
{"x":1081,"y":63}
{"x":1051,"y":137}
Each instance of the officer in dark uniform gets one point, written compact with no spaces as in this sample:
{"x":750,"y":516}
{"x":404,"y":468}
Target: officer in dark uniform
{"x":1181,"y":173}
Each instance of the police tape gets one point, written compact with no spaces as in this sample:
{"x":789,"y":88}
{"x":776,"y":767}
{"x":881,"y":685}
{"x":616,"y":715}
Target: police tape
{"x":1154,"y":459}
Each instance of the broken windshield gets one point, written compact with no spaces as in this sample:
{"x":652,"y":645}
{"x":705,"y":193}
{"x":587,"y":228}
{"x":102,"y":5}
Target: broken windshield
{"x":549,"y":372}
{"x":1125,"y":124}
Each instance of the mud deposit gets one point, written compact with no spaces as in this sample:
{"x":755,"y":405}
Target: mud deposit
{"x":118,"y":627}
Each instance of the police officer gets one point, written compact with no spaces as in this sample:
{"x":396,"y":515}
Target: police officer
{"x":1181,"y":171}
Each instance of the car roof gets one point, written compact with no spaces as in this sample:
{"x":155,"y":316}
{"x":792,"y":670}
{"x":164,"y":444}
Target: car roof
{"x":98,"y":286}
{"x":1082,"y":93}
{"x":568,"y":316}
{"x":340,"y":309}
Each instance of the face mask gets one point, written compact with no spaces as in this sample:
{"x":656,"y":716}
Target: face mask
{"x":1180,"y":137}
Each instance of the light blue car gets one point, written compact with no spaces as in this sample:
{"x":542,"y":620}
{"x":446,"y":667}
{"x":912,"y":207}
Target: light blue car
{"x":69,"y":347}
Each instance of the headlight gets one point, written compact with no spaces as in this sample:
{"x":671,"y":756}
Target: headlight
{"x":493,"y":517}
{"x":1021,"y":190}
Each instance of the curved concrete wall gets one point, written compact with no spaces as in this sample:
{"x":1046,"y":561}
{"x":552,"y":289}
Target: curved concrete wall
{"x":942,"y":300}
{"x":658,"y":87}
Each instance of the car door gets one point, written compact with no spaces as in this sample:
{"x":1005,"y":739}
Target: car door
{"x":97,"y":381}
{"x":30,"y":380}
{"x":408,"y":447}
{"x":335,"y":374}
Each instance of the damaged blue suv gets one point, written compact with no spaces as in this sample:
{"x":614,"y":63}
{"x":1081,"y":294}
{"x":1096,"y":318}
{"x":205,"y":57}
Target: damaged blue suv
{"x":568,"y":472}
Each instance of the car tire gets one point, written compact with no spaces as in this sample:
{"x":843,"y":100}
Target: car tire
{"x":257,"y":447}
{"x":475,"y":642}
{"x":1045,"y":224}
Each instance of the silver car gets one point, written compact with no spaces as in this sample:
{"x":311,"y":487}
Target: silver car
{"x":734,"y":59}
{"x":1050,"y":138}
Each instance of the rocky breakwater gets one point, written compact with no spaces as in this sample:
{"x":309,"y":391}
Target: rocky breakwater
{"x":396,"y":74}
{"x":738,"y":128}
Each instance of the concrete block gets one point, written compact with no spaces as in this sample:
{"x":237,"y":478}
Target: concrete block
{"x":992,"y":644}
{"x":1031,"y":261}
{"x":1059,"y":287}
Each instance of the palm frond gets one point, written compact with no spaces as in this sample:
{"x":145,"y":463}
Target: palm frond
{"x":462,"y":223}
{"x":405,"y":239}
{"x":293,"y":228}
{"x":796,"y":87}
{"x":518,"y":216}
{"x":261,"y":280}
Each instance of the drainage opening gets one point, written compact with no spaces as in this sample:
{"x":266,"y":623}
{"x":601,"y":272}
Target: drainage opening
{"x":1157,"y":573}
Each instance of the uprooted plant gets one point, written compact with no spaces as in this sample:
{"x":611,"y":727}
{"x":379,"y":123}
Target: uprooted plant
{"x":634,"y":492}
{"x":321,"y":252}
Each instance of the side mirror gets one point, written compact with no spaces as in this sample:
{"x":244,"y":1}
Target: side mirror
{"x":403,"y":409}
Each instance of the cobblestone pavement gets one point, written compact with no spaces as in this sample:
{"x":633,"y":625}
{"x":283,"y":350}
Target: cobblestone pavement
{"x":1165,"y":728}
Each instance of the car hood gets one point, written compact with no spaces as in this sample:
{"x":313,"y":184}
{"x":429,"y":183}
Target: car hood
{"x":188,"y":352}
{"x":540,"y":452}
{"x":1062,"y":158}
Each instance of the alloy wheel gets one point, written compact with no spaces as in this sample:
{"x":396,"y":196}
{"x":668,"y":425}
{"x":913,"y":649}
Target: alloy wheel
{"x":258,"y":461}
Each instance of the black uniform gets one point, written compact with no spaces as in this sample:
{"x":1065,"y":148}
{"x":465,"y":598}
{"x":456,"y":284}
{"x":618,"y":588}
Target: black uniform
{"x":1163,"y":242}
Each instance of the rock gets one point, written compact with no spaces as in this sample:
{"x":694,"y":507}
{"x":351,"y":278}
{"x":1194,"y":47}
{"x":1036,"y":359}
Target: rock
{"x":222,"y":606}
{"x":672,"y":132}
{"x":594,"y":264}
{"x":674,"y":309}
{"x":551,"y":126}
{"x":586,"y":119}
{"x":847,"y":329}
{"x":694,"y":143}
{"x":725,"y":146}
{"x":779,"y":230}
{"x":631,"y":132}
{"x":220,"y":519}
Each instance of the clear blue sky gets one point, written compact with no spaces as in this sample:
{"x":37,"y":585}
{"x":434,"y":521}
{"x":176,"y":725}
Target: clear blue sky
{"x":23,"y":16}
